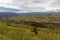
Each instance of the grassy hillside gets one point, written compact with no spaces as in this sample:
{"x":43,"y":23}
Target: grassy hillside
{"x":26,"y":27}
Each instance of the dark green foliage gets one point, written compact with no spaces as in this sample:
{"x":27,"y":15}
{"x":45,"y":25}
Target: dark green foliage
{"x":35,"y":30}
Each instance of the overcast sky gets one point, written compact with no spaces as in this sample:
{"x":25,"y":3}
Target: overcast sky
{"x":31,"y":5}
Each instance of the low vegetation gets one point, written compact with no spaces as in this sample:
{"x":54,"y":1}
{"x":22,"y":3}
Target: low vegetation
{"x":30,"y":27}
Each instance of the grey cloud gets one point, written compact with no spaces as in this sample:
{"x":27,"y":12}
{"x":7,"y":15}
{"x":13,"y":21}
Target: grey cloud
{"x":33,"y":8}
{"x":36,"y":5}
{"x":38,"y":1}
{"x":55,"y":4}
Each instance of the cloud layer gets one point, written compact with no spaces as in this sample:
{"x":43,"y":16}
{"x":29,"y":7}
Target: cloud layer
{"x":37,"y":5}
{"x":31,"y":5}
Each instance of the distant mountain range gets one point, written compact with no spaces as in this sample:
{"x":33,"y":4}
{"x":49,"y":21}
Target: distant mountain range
{"x":10,"y":12}
{"x":7,"y":15}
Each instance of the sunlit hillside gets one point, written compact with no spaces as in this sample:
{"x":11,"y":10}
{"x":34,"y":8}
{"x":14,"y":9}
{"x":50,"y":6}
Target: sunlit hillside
{"x":31,"y":27}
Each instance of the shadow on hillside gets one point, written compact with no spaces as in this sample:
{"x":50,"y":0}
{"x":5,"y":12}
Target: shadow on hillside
{"x":37,"y":24}
{"x":42,"y":24}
